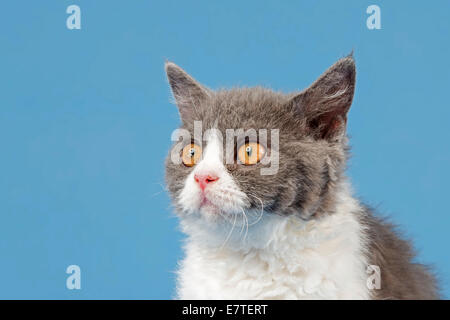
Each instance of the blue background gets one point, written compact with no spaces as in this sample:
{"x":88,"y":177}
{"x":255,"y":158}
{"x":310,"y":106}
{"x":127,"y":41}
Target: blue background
{"x":85,"y":124}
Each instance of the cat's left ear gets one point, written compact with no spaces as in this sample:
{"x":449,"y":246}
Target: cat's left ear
{"x":324,"y":105}
{"x":188,"y":93}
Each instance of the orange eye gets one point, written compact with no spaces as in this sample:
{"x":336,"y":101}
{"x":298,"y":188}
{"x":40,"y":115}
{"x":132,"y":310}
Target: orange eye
{"x":191,"y":154}
{"x":251,"y":153}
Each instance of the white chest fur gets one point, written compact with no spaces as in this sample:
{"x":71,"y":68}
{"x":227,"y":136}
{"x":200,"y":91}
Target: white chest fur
{"x":282,"y":258}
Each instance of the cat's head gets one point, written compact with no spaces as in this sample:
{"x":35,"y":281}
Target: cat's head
{"x":243,"y":152}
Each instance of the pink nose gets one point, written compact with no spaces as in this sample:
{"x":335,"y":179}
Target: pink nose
{"x":204,"y":179}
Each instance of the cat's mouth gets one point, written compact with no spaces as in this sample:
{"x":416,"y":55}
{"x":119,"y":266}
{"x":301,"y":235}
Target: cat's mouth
{"x":221,"y":202}
{"x":213,"y":199}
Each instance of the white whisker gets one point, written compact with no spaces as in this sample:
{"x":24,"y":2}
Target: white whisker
{"x":229,"y":234}
{"x":261,"y":212}
{"x":246,"y":223}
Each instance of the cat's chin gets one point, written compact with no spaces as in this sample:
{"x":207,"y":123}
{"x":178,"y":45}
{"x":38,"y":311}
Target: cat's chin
{"x":210,"y":211}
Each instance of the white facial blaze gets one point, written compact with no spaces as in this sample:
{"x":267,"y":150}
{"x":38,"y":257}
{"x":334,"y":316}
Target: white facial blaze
{"x":211,"y":162}
{"x":223,"y":195}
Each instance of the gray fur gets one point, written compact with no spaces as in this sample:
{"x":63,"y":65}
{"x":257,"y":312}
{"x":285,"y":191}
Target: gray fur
{"x":313,"y":152}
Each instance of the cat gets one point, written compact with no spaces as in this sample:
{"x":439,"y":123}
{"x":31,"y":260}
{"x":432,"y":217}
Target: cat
{"x":298,"y":233}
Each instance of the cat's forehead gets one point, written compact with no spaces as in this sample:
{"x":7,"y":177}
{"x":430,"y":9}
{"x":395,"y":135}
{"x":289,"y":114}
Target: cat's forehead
{"x":243,"y":108}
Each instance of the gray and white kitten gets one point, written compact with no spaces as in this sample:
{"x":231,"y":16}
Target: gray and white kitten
{"x":296,"y":234}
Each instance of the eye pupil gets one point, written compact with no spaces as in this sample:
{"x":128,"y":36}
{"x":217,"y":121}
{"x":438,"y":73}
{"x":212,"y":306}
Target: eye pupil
{"x":191,"y":154}
{"x":250,"y":153}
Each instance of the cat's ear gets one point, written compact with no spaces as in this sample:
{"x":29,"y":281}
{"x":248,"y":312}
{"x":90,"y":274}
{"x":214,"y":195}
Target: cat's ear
{"x":324,"y":105}
{"x":188,"y":93}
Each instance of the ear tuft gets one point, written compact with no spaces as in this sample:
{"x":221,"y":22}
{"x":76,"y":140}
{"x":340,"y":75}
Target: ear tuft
{"x":188,"y":93}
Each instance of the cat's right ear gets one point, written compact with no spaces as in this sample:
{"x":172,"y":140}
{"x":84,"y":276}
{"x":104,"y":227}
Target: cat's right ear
{"x":188,"y":93}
